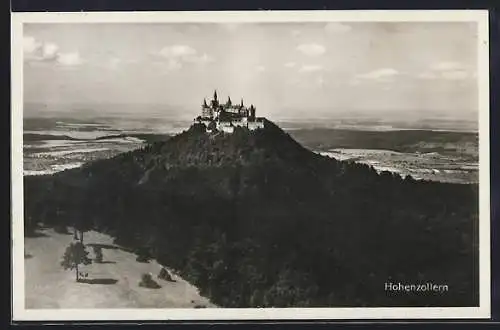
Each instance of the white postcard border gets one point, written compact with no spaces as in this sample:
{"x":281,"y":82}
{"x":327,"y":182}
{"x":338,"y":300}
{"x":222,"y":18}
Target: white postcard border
{"x":20,"y":313}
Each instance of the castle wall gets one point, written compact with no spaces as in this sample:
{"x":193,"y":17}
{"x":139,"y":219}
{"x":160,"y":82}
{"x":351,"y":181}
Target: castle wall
{"x":252,"y":125}
{"x":227,"y":129}
{"x":207,"y":113}
{"x":241,"y":123}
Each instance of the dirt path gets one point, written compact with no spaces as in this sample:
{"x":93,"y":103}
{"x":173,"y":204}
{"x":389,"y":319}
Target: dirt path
{"x":115,"y":280}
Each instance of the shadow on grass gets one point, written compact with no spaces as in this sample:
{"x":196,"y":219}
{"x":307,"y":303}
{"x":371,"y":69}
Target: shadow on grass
{"x":105,"y":262}
{"x":62,"y":232}
{"x":35,"y":234}
{"x":108,"y":246}
{"x":27,"y":256}
{"x":103,"y":246}
{"x":105,"y":281}
{"x":153,"y":285}
{"x":171,"y":280}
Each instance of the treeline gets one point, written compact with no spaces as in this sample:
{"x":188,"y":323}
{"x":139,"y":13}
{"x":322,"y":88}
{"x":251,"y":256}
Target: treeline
{"x":255,"y":220}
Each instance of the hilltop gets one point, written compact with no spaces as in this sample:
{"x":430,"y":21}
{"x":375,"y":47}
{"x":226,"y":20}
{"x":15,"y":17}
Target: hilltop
{"x":254,"y":219}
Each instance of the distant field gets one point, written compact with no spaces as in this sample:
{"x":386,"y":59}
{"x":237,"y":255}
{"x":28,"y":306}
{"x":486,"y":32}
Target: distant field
{"x":148,"y":137}
{"x":54,"y":144}
{"x":326,"y":139}
{"x":409,"y":141}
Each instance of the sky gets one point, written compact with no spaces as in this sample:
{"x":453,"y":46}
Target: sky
{"x":287,"y":70}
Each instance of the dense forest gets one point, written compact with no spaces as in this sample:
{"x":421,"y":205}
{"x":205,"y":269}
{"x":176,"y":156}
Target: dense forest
{"x":256,"y":220}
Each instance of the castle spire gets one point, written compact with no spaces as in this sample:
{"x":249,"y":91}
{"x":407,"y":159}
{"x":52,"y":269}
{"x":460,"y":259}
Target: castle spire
{"x":229,"y":102}
{"x":205,"y":103}
{"x":215,"y":95}
{"x":241,"y":102}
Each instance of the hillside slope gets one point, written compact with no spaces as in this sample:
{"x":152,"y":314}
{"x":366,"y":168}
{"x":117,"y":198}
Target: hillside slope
{"x":255,"y":220}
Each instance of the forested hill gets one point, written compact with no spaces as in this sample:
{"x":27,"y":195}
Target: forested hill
{"x":255,"y":220}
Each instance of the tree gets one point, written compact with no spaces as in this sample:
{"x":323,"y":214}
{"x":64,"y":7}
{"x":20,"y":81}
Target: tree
{"x":81,"y":224}
{"x":148,"y":282}
{"x":61,"y":229}
{"x":98,"y":254}
{"x":143,"y":254}
{"x":75,"y":255}
{"x":81,"y":221}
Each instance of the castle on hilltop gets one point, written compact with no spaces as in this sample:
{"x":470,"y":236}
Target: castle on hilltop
{"x":225,"y":117}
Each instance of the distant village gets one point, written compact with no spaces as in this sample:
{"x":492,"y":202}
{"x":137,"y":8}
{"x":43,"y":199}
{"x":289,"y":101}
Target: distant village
{"x":225,"y":117}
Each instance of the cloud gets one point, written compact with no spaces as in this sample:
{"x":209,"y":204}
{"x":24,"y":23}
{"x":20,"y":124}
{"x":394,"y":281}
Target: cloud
{"x":310,"y":68}
{"x":205,"y":58}
{"x":446,"y":66}
{"x":30,"y":44}
{"x":178,"y":55}
{"x":70,"y":59}
{"x":379,"y":74}
{"x":311,"y":49}
{"x":335,"y":27}
{"x":260,"y":68}
{"x":50,"y":50}
{"x":35,"y":50}
{"x":177,"y":51}
{"x":290,"y":65}
{"x":446,"y":70}
{"x":39,"y":51}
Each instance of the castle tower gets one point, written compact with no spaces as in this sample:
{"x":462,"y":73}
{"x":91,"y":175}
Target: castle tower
{"x":215,"y":102}
{"x":252,"y":111}
{"x":242,"y":111}
{"x":206,"y":111}
{"x":229,"y":102}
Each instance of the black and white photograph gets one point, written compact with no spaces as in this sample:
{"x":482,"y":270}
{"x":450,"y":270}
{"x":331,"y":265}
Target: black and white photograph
{"x":250,"y":165}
